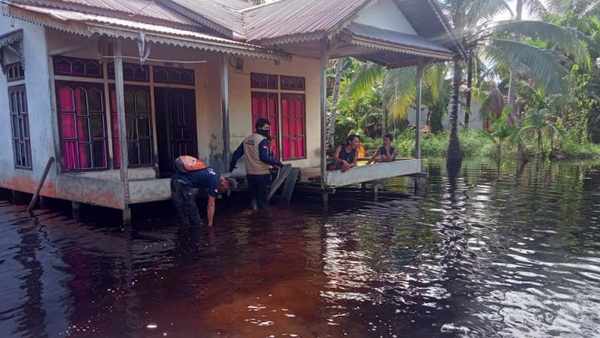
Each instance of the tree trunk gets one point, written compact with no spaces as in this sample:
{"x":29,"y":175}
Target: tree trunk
{"x":513,"y":117}
{"x":469,"y":86}
{"x":453,"y":154}
{"x":334,"y":101}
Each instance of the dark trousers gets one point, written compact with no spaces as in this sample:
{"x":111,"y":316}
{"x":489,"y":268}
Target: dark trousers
{"x":184,"y":199}
{"x":259,"y":186}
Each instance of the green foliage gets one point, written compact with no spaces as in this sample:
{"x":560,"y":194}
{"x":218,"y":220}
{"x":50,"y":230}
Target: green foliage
{"x":500,"y":131}
{"x":361,"y":116}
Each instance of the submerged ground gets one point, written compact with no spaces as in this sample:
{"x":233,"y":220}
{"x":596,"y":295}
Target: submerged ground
{"x":493,"y":252}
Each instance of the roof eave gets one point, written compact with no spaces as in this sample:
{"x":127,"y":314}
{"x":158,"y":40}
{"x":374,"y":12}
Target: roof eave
{"x":90,"y":28}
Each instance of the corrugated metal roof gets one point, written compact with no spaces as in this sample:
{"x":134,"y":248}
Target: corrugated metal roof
{"x":372,"y":35}
{"x":300,"y":20}
{"x":135,"y":10}
{"x":97,"y":24}
{"x":223,"y":13}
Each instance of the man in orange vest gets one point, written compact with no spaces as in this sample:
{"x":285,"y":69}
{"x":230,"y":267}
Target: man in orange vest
{"x":191,"y":174}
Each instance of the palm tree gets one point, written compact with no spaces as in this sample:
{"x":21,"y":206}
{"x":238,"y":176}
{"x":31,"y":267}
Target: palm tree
{"x":467,"y":17}
{"x":537,"y":122}
{"x":500,"y":132}
{"x":536,"y":8}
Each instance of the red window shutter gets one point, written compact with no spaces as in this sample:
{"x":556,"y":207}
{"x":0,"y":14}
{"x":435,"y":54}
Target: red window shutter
{"x":293,"y":124}
{"x":264,"y":105}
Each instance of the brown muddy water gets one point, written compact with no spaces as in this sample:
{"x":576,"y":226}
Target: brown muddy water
{"x":490,"y":252}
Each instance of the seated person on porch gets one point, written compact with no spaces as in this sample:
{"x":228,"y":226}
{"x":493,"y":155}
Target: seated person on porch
{"x":386,"y":152}
{"x":190,"y":175}
{"x":345,"y":157}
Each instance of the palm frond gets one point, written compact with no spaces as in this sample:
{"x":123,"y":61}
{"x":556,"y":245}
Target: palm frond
{"x":366,"y":77}
{"x":522,"y":58}
{"x":399,"y":87}
{"x":561,"y":38}
{"x":535,"y":7}
{"x":493,"y":105}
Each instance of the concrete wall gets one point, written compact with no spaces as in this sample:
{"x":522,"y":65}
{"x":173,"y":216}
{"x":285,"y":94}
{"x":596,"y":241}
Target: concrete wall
{"x":41,"y":123}
{"x":240,"y":103}
{"x":475,"y":122}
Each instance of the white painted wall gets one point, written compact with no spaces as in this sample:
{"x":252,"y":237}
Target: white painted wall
{"x":386,"y":15}
{"x":240,"y":103}
{"x":475,"y":122}
{"x":38,"y":101}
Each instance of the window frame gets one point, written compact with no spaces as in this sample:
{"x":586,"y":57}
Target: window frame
{"x":283,"y":87}
{"x":21,"y":141}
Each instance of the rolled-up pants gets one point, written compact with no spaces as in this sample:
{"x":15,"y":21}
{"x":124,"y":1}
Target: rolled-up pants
{"x":184,"y":199}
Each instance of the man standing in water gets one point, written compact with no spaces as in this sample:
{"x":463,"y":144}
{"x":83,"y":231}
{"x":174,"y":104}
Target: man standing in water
{"x":259,"y":159}
{"x":190,"y":175}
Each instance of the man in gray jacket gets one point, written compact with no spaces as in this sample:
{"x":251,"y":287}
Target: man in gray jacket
{"x":259,"y":159}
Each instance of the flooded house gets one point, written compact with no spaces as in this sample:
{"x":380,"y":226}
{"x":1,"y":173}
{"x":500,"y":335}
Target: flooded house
{"x":103,"y":95}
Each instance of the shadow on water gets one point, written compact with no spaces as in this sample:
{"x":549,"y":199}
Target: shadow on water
{"x":483,"y":251}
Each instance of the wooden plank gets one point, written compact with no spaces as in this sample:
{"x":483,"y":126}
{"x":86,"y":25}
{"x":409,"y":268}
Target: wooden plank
{"x":290,"y":184}
{"x":281,"y":177}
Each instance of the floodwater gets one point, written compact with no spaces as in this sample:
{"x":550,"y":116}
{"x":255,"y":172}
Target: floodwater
{"x":485,"y":252}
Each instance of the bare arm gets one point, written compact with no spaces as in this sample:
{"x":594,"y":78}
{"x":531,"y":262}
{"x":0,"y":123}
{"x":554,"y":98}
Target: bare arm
{"x":336,"y":155}
{"x":210,"y":210}
{"x":374,"y":157}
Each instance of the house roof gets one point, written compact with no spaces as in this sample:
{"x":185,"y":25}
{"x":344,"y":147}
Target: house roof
{"x":147,"y":11}
{"x":295,"y":26}
{"x":223,"y":16}
{"x":89,"y":24}
{"x":377,"y":38}
{"x":293,"y":21}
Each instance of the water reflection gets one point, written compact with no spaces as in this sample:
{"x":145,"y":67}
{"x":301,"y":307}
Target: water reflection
{"x":482,"y":251}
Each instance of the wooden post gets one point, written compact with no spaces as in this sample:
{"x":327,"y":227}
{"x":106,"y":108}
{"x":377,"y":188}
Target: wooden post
{"x":418,"y":110}
{"x":39,"y":187}
{"x":123,"y":144}
{"x":76,"y":210}
{"x":323,"y":89}
{"x":225,"y":110}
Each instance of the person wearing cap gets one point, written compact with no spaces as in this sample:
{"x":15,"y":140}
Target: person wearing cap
{"x":259,"y":159}
{"x":190,"y":175}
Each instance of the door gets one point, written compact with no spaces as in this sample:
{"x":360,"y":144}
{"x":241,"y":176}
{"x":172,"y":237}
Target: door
{"x":176,"y":126}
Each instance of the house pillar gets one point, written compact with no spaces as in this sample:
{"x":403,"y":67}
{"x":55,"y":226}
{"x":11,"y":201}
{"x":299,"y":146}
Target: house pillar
{"x":225,"y":110}
{"x":123,"y":146}
{"x":419,"y":84}
{"x":323,"y":89}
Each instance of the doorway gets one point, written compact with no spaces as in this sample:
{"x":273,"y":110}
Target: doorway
{"x":175,"y":126}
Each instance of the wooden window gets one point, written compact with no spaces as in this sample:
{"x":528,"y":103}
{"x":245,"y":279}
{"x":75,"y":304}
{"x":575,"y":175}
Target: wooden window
{"x":139,"y":129}
{"x":131,"y":72}
{"x":173,"y":75}
{"x":15,"y":72}
{"x":77,"y":67}
{"x":20,"y":126}
{"x":292,"y":83}
{"x":265,"y":105}
{"x":82,"y":121}
{"x":277,"y":104}
{"x":293,"y":125}
{"x":263,"y":81}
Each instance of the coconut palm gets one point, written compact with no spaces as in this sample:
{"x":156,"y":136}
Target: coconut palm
{"x":582,"y":7}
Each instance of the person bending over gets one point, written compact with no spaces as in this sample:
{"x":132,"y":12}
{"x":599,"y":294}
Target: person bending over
{"x":345,"y":157}
{"x":190,"y":175}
